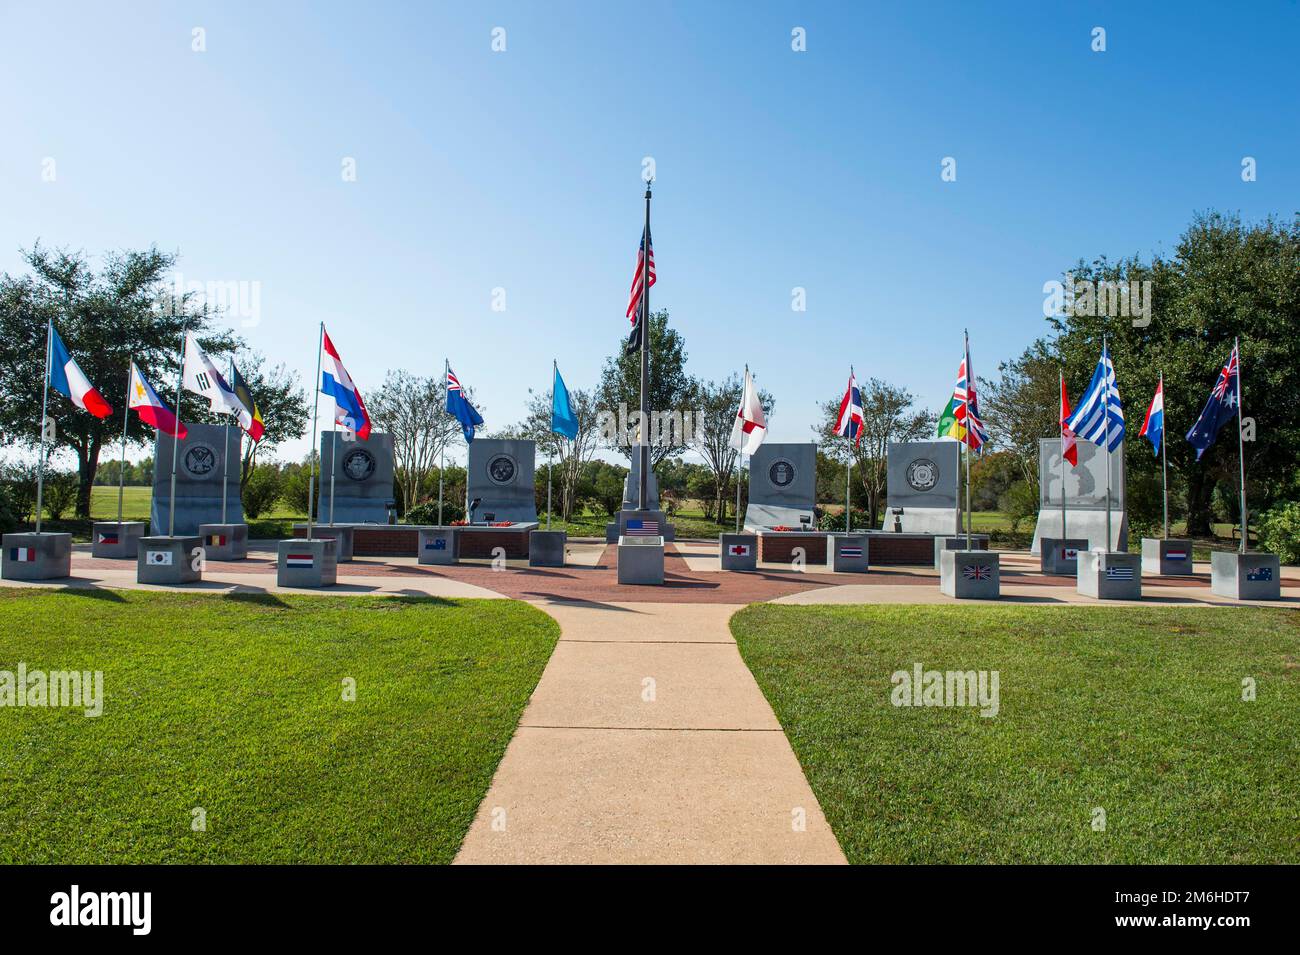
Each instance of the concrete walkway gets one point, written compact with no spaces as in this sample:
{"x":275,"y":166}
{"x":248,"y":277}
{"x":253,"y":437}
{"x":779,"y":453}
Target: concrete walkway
{"x":648,"y":741}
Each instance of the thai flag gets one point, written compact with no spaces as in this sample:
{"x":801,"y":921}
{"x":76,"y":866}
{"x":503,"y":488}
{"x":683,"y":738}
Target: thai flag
{"x":22,"y":555}
{"x":300,"y":561}
{"x":1153,"y":428}
{"x":851,"y":550}
{"x":349,"y":409}
{"x":849,"y":424}
{"x":150,"y":408}
{"x":67,"y":379}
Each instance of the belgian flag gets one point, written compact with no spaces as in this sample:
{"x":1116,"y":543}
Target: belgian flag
{"x":250,"y":418}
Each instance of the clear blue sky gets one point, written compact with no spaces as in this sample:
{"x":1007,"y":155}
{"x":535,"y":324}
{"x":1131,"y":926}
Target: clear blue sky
{"x":520,"y":170}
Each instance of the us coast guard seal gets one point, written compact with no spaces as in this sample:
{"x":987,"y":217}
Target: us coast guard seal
{"x":922,"y":474}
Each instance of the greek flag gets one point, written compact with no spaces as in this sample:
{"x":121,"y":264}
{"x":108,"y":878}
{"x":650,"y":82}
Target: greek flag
{"x":1088,"y":421}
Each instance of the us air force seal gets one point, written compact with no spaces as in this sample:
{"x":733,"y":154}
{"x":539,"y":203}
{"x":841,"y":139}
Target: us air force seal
{"x":781,"y":473}
{"x":922,"y":474}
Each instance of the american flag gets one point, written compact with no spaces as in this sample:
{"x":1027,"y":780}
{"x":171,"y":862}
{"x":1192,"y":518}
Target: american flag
{"x":636,"y":527}
{"x":634,"y":296}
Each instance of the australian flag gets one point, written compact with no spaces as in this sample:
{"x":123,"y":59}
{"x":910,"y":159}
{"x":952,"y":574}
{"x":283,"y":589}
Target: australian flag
{"x":458,"y":407}
{"x":1220,"y":409}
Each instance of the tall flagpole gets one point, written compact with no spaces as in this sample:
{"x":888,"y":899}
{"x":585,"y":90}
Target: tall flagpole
{"x":739,"y":455}
{"x":45,"y":399}
{"x":643,"y":449}
{"x":550,"y":465}
{"x":442,"y":449}
{"x":1164,"y":456}
{"x":1105,"y":398}
{"x":176,"y":437}
{"x":225,"y":465}
{"x":970,"y":381}
{"x":121,"y":470}
{"x":315,"y":422}
{"x":334,"y":466}
{"x":848,"y":471}
{"x":1064,"y":535}
{"x":1241,"y":453}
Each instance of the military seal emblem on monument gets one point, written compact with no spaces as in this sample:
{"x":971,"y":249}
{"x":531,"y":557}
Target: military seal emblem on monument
{"x":199,"y":460}
{"x":502,"y":469}
{"x":781,"y":473}
{"x":358,"y":464}
{"x":922,"y":474}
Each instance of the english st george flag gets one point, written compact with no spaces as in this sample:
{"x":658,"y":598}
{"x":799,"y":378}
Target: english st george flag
{"x":750,"y":426}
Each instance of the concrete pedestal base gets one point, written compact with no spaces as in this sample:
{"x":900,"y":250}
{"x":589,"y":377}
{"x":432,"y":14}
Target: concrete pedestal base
{"x":438,"y":545}
{"x":307,"y":563}
{"x":169,"y":560}
{"x":343,"y":533}
{"x":618,"y":527}
{"x":640,"y":560}
{"x":546,"y":548}
{"x":847,"y":553}
{"x":970,"y":574}
{"x":941,"y":544}
{"x":111,"y":539}
{"x":224,"y":541}
{"x":1113,"y":575}
{"x":738,"y":551}
{"x":1166,"y":558}
{"x":1249,"y":576}
{"x":41,"y":556}
{"x":1061,"y":557}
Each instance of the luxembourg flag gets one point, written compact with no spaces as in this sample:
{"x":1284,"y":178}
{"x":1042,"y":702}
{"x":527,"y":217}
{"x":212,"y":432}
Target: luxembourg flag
{"x":67,"y":379}
{"x":150,"y":408}
{"x":1153,"y":428}
{"x":349,"y":409}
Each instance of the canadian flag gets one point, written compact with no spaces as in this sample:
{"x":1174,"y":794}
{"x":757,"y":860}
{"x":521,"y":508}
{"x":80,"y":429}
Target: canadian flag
{"x":1068,"y":448}
{"x":750,"y":427}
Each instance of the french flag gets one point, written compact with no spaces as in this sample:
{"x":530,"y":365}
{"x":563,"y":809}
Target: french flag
{"x":67,"y":379}
{"x":349,"y":409}
{"x":150,"y":408}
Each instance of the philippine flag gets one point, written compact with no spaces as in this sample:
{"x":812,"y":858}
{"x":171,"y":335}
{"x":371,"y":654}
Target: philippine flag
{"x":1153,"y":428}
{"x":349,"y":409}
{"x":67,"y":379}
{"x":149,"y":406}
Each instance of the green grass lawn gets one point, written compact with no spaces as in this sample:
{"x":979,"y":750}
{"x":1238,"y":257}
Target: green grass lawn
{"x":1137,"y":711}
{"x":688,"y":522}
{"x":235,"y":704}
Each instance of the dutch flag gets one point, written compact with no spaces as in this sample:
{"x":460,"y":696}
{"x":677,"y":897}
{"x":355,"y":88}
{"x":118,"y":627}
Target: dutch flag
{"x":349,"y":409}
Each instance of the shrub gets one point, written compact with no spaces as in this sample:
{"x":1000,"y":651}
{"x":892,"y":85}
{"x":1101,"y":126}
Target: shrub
{"x":835,"y":522}
{"x":426,"y":513}
{"x":60,"y":494}
{"x":1019,"y":502}
{"x":295,"y":491}
{"x":262,"y":490}
{"x":1279,"y":532}
{"x":20,"y":486}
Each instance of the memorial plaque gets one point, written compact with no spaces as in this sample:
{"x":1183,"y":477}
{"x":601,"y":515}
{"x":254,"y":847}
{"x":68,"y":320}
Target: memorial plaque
{"x":782,"y":486}
{"x":631,"y":488}
{"x":199,"y":475}
{"x":501,"y":477}
{"x":362,"y":478}
{"x":1085,"y":496}
{"x":924,"y":478}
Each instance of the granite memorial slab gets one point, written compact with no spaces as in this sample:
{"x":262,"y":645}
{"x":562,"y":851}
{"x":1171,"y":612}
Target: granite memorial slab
{"x":200,"y":472}
{"x":1249,"y":576}
{"x":438,"y":545}
{"x":782,"y":486}
{"x":361,"y":476}
{"x":923,"y":480}
{"x":169,"y":560}
{"x":640,"y":560}
{"x":224,"y":541}
{"x":307,"y":563}
{"x":1110,"y":575}
{"x":501,"y":479}
{"x":1061,"y":557}
{"x":1166,"y":557}
{"x":847,"y":553}
{"x":546,"y":548}
{"x":738,"y":551}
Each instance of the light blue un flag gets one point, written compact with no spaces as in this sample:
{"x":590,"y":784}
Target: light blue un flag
{"x":563,"y":420}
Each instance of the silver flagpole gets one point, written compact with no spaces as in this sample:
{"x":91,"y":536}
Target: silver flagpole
{"x":1105,"y":399}
{"x":334,"y":466}
{"x":643,"y":449}
{"x":315,"y":422}
{"x":45,"y":399}
{"x":442,"y":449}
{"x":1064,"y":535}
{"x":121,"y":471}
{"x":740,"y":457}
{"x":176,"y":438}
{"x":848,"y":471}
{"x":1164,"y":457}
{"x":550,"y":465}
{"x":970,"y":380}
{"x":1241,"y":454}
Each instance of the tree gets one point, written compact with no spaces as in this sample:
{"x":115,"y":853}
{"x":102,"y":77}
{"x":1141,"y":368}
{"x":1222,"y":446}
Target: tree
{"x":123,"y":313}
{"x":1022,"y":405}
{"x":282,"y":402}
{"x":670,"y":391}
{"x":888,"y":415}
{"x":412,"y":410}
{"x":570,"y":455}
{"x":716,"y":403}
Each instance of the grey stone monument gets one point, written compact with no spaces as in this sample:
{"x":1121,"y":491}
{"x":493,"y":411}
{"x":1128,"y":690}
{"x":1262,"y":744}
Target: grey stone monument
{"x":617,"y":528}
{"x":546,"y":548}
{"x":1110,"y":575}
{"x":632,"y":486}
{"x":923,"y":486}
{"x":307,"y":563}
{"x":361,"y":476}
{"x":501,"y":477}
{"x":439,"y":545}
{"x":640,"y":560}
{"x":738,"y":551}
{"x":116,"y":539}
{"x":1061,"y":557}
{"x":199,"y":471}
{"x":31,"y":556}
{"x":169,"y":560}
{"x":782,"y":486}
{"x":941,"y":544}
{"x":1166,"y":557}
{"x":847,"y":553}
{"x":971,"y":574}
{"x":1249,"y":576}
{"x":1085,"y":496}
